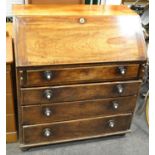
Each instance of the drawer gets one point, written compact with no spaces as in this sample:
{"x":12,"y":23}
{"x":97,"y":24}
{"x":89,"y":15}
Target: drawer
{"x":49,"y":76}
{"x":74,"y":130}
{"x":76,"y":110}
{"x":43,"y":95}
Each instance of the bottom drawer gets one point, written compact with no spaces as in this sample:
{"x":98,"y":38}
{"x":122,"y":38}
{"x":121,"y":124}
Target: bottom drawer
{"x":77,"y":129}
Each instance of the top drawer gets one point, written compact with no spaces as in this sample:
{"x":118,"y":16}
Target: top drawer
{"x":56,"y":76}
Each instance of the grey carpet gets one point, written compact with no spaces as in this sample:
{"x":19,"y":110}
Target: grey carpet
{"x":134,"y":143}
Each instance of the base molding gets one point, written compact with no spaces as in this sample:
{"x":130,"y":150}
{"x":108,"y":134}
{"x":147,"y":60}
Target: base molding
{"x":26,"y":147}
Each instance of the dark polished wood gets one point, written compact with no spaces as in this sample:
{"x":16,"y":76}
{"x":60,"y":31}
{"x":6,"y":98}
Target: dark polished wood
{"x":68,"y":75}
{"x":77,"y":92}
{"x":74,"y":129}
{"x":56,"y":112}
{"x":78,"y":69}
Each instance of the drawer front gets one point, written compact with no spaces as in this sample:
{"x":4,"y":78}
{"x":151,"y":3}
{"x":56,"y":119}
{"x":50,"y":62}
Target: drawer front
{"x":43,"y":95}
{"x":49,"y":76}
{"x":76,"y":110}
{"x":73,"y":130}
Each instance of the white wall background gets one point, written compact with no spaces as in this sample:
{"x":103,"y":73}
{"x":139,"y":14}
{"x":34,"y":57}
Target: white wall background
{"x":9,"y":5}
{"x":114,"y":2}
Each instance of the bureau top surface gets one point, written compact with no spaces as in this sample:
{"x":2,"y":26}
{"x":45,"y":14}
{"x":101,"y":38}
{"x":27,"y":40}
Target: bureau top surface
{"x":76,"y":34}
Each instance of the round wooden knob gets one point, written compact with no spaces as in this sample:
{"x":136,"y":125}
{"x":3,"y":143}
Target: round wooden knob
{"x":47,"y":132}
{"x":48,"y":94}
{"x":48,"y":75}
{"x":122,"y":70}
{"x":120,"y":88}
{"x":115,"y":105}
{"x":111,"y":124}
{"x":47,"y":112}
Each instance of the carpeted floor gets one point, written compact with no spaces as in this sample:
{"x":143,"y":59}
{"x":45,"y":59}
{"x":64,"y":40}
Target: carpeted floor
{"x":134,"y":143}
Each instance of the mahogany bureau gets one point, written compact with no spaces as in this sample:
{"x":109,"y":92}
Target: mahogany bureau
{"x":79,"y":69}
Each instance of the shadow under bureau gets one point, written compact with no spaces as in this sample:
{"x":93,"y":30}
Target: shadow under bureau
{"x":79,"y":69}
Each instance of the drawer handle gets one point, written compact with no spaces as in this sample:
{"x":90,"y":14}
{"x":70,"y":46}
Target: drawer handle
{"x":122,"y":70}
{"x":48,"y":94}
{"x":82,"y":20}
{"x":47,"y":132}
{"x":111,"y":124}
{"x":120,"y":88}
{"x":115,"y":105}
{"x":48,"y":75}
{"x":47,"y":112}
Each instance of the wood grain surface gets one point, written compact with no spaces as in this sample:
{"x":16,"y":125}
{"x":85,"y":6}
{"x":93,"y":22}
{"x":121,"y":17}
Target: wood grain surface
{"x":63,"y":10}
{"x":9,"y":29}
{"x":10,"y":108}
{"x":11,"y":137}
{"x":11,"y":131}
{"x":75,"y":129}
{"x":62,"y":39}
{"x":82,"y":46}
{"x":9,"y":52}
{"x":76,"y":110}
{"x":10,"y":123}
{"x":78,"y":92}
{"x":9,"y":88}
{"x":9,"y":47}
{"x":60,"y":76}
